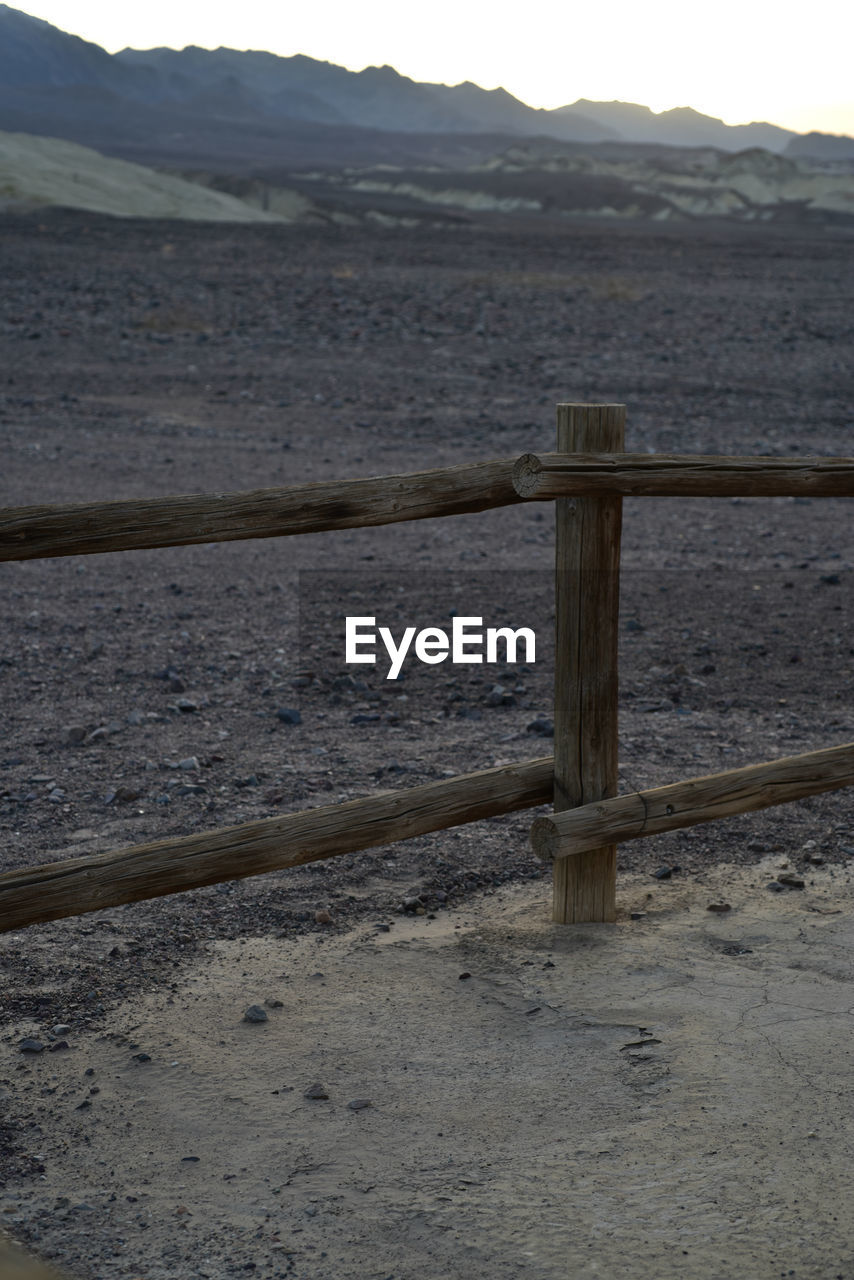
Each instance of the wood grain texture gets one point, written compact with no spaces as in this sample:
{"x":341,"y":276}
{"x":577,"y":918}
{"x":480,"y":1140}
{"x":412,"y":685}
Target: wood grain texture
{"x":587,"y":605}
{"x":78,"y":885}
{"x":585,"y":474}
{"x":30,"y":533}
{"x":684,"y":804}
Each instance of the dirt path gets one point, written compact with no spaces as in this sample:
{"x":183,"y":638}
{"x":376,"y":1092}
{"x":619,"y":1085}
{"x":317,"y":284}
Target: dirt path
{"x":666,"y":1097}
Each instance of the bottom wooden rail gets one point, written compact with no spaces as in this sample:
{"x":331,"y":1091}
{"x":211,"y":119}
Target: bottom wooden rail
{"x":684,"y":804}
{"x":34,"y":894}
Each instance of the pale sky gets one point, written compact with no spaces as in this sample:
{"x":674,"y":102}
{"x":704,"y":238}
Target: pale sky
{"x":777,"y":60}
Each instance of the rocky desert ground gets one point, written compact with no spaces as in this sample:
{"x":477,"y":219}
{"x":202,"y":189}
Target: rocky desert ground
{"x":176,"y":690}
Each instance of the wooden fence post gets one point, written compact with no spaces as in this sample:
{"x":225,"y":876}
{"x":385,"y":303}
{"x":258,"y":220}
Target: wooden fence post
{"x":587,"y":606}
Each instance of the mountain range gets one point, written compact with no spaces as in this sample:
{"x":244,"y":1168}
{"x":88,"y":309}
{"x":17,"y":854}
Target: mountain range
{"x":225,"y":108}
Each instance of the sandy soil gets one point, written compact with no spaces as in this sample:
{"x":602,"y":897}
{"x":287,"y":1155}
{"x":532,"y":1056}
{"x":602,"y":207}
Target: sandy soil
{"x":157,"y":358}
{"x":497,"y":1096}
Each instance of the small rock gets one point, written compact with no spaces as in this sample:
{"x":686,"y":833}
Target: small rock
{"x":29,"y":1045}
{"x":542,"y":727}
{"x":370,"y":717}
{"x":322,"y":917}
{"x":189,"y":763}
{"x":255,"y":1013}
{"x":464,"y":976}
{"x":316,"y":1093}
{"x":124,"y":795}
{"x":136,"y":717}
{"x":275,"y":1004}
{"x":776,"y":887}
{"x":142,"y":1057}
{"x":61,"y":1029}
{"x":719,"y":907}
{"x":58,"y":1045}
{"x":75,"y":734}
{"x":633,"y":625}
{"x":359,"y":1104}
{"x":736,"y":949}
{"x":187,"y":705}
{"x":791,"y":881}
{"x":289,"y":715}
{"x":663,"y":873}
{"x":637,"y":915}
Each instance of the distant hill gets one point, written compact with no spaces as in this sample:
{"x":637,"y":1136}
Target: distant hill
{"x":241,"y":111}
{"x":38,"y":172}
{"x":681,"y":127}
{"x":821,"y":146}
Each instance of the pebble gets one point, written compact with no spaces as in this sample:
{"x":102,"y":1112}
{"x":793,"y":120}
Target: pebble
{"x":776,"y":887}
{"x":61,"y":1029}
{"x":720,"y":907}
{"x":359,"y":1104}
{"x":322,"y":917}
{"x":791,"y":881}
{"x":663,"y":873}
{"x":75,"y":734}
{"x":542,"y":727}
{"x":365,"y":718}
{"x":187,"y":705}
{"x":122,"y":795}
{"x":289,"y":715}
{"x":316,"y":1093}
{"x":189,"y":763}
{"x":29,"y":1045}
{"x":58,"y":1045}
{"x":255,"y":1013}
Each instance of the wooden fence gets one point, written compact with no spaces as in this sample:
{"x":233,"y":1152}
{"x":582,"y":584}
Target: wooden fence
{"x":587,"y":478}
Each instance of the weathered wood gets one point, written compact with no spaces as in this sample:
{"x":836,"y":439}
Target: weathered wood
{"x":684,"y":804}
{"x":556,"y":475}
{"x":587,"y":606}
{"x":72,"y":887}
{"x":30,"y":533}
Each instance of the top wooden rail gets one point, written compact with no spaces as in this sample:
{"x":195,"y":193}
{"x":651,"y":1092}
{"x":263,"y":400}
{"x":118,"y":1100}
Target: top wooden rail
{"x":32,"y":533}
{"x":541,"y":477}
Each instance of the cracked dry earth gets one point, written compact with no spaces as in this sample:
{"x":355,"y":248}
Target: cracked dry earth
{"x":515,"y":1124}
{"x":499,"y":1097}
